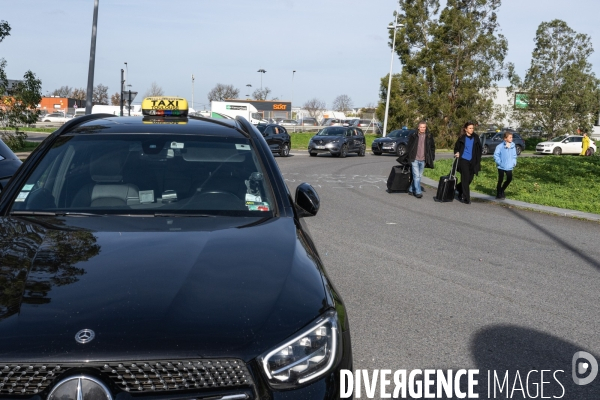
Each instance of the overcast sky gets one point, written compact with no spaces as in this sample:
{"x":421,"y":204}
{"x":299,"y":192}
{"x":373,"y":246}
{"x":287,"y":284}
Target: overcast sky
{"x":336,"y":47}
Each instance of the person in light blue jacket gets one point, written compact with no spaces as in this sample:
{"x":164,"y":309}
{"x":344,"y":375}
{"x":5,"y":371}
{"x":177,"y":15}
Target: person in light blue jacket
{"x":505,"y":156}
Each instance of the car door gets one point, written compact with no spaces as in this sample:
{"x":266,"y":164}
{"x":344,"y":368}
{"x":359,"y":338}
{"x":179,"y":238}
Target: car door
{"x":349,"y":139}
{"x":570,"y":146}
{"x":270,"y":137}
{"x":359,"y":139}
{"x":494,"y":142}
{"x":577,"y":144}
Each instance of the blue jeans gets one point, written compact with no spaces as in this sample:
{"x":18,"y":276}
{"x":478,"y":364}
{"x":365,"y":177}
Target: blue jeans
{"x":417,"y":172}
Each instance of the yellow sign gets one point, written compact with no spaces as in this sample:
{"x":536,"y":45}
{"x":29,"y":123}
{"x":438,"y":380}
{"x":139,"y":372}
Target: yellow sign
{"x":279,"y":106}
{"x":165,"y":106}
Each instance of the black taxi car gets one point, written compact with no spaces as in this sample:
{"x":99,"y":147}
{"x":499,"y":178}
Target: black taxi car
{"x":338,"y":141}
{"x":162,"y":257}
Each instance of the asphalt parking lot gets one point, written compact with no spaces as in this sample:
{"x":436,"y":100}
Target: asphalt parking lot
{"x":451,"y":286}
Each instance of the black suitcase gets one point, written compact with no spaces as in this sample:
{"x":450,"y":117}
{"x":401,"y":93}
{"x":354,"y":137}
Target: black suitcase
{"x":400,"y":179}
{"x":447,"y":185}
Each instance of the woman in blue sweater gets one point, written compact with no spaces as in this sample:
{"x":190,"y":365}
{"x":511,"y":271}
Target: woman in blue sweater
{"x":505,"y":156}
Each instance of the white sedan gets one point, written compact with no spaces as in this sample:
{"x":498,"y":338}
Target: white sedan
{"x":57,"y":117}
{"x":567,"y":144}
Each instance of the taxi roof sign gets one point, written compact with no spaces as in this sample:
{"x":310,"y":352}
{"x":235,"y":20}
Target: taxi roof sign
{"x":165,"y":106}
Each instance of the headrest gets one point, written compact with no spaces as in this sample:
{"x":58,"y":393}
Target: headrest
{"x":107,"y":166}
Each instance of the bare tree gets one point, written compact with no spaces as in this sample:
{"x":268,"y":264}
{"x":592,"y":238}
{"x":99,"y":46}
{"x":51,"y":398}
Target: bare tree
{"x":79,"y":94}
{"x":342,"y":103}
{"x":261,"y":94}
{"x":63,"y":91}
{"x":100,"y":94}
{"x":222,"y":92}
{"x":154,"y":90}
{"x":315,"y":107}
{"x":115,"y":99}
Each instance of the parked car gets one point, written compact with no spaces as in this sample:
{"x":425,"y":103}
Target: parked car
{"x":395,"y":142}
{"x":338,"y":141}
{"x":164,"y":258}
{"x":57,"y":117}
{"x":277,"y":138}
{"x":9,"y":164}
{"x":308,"y":122}
{"x":566,"y":144}
{"x":331,"y":122}
{"x":490,"y":140}
{"x":289,"y":122}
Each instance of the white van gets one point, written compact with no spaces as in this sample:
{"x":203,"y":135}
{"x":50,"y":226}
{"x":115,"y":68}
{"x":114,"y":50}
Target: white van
{"x":79,"y":112}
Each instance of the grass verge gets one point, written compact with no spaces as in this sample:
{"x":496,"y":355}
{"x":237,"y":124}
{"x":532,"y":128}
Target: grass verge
{"x":570,"y":182}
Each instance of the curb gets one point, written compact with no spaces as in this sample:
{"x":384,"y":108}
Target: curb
{"x":563,"y":212}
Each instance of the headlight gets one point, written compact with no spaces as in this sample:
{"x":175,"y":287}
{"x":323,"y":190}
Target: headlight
{"x":304,"y":357}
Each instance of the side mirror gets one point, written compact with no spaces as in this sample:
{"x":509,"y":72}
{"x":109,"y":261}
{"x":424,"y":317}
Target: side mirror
{"x":307,"y":201}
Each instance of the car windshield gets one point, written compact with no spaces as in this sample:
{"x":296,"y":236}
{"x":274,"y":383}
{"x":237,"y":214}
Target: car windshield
{"x":261,"y":128}
{"x":559,"y":138}
{"x":332,"y":131}
{"x":147,"y":174}
{"x":398,"y":133}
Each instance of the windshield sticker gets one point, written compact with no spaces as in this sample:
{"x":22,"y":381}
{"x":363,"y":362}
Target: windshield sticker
{"x":27,"y":187}
{"x":257,"y":206}
{"x":242,"y":146}
{"x":22,"y":196}
{"x":146,"y":196}
{"x":251,"y":197}
{"x":176,"y":145}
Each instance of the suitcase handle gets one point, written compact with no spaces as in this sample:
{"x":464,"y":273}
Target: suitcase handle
{"x":454,"y":167}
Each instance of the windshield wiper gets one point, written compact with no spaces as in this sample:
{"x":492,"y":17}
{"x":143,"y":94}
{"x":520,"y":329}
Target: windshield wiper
{"x":182,"y":215}
{"x":55,"y":214}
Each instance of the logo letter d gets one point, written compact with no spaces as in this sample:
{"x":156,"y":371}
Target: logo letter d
{"x":582,"y":368}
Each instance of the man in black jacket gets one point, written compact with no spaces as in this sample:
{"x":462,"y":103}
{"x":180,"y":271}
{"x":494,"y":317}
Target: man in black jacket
{"x":421,"y":154}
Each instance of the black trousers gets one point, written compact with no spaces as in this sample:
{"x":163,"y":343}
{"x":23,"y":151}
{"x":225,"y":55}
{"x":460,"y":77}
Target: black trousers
{"x":466,"y":177}
{"x":502,"y":187}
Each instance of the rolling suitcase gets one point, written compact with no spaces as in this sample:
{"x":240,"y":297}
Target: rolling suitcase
{"x":447,"y":185}
{"x":400,"y":179}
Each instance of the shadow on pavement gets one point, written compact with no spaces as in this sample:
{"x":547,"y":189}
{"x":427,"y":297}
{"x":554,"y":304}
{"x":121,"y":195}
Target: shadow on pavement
{"x":513,"y":357}
{"x":562,"y":243}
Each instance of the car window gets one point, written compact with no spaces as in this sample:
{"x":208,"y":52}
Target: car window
{"x":332,"y":131}
{"x":133,"y":174}
{"x":558,"y":139}
{"x":578,"y":139}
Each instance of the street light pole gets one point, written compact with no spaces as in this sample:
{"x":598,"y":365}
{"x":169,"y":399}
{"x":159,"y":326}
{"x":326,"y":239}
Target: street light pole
{"x":90,"y":83}
{"x":192,"y":90}
{"x":122,"y":90}
{"x":292,"y":102}
{"x":262,"y":71}
{"x":389,"y":88}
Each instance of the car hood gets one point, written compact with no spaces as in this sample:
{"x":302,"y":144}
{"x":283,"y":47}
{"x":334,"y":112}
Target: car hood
{"x":326,"y":138}
{"x":153,"y":287}
{"x":385,"y":140}
{"x":553,"y":143}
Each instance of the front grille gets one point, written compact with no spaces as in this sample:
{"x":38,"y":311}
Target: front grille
{"x":131,"y":376}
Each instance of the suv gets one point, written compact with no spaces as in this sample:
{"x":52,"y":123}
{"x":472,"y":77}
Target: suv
{"x":490,"y":140}
{"x":277,"y":138}
{"x":338,"y":141}
{"x":395,"y":143}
